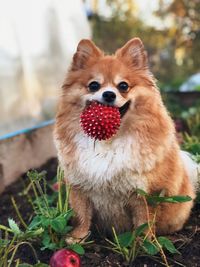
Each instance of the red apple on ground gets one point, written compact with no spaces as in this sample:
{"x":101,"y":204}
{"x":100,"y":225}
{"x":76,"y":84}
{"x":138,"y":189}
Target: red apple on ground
{"x":65,"y":258}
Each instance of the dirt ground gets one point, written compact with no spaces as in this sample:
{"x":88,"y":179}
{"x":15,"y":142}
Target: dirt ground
{"x":187,"y":241}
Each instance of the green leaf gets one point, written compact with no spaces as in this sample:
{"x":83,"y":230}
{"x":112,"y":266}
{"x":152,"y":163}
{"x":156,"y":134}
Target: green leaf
{"x":68,"y":214}
{"x":126,"y":239}
{"x":39,"y":231}
{"x":58,"y":224}
{"x":45,"y":221}
{"x":179,"y":199}
{"x":194,"y":148}
{"x":46,"y":239}
{"x":47,"y":243}
{"x":140,"y":230}
{"x":50,"y":246}
{"x":153,"y":200}
{"x":150,"y":248}
{"x":13,"y":226}
{"x":33,"y":233}
{"x":141,"y":192}
{"x":35,"y":222}
{"x":167,"y":244}
{"x":77,"y":248}
{"x":62,"y":243}
{"x":53,"y":212}
{"x":36,"y":176}
{"x":67,"y":229}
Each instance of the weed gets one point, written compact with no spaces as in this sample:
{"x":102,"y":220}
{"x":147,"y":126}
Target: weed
{"x":51,"y":222}
{"x":49,"y":225}
{"x":192,"y":145}
{"x":143,"y":240}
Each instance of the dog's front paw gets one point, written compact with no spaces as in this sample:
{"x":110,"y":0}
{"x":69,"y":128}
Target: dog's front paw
{"x":74,"y":237}
{"x":71,"y":240}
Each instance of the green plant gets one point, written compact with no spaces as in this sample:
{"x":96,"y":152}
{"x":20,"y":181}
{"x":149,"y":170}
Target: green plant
{"x":49,"y":224}
{"x":53,"y":219}
{"x":192,"y":117}
{"x":143,"y":240}
{"x":13,"y":239}
{"x":192,"y":145}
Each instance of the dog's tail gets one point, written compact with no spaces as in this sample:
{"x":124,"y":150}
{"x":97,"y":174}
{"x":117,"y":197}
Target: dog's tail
{"x":192,"y":168}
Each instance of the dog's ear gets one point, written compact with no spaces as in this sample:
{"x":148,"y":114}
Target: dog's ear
{"x":134,"y":53}
{"x":86,"y":51}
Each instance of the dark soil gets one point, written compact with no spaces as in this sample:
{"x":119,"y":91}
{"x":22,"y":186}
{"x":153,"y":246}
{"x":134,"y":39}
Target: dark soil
{"x":187,"y":241}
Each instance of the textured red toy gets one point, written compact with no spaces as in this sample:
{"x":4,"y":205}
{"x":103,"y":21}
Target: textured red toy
{"x":99,"y":121}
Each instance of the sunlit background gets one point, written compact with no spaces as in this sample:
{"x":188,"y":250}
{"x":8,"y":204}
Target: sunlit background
{"x":38,"y":38}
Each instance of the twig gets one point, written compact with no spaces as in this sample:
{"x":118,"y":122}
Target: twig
{"x":16,"y":248}
{"x":18,"y":213}
{"x":153,"y":234}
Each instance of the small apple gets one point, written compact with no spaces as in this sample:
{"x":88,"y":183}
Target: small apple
{"x":55,"y":187}
{"x":65,"y":258}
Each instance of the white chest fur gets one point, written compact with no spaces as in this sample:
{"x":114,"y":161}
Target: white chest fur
{"x":101,"y":164}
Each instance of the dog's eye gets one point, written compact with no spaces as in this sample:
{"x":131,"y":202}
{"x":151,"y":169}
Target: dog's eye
{"x":94,"y":86}
{"x":123,"y":87}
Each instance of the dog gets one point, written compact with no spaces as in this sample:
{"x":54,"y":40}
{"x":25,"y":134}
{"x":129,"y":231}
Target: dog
{"x":105,"y":175}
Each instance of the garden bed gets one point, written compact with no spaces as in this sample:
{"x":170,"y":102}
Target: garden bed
{"x":186,"y":241}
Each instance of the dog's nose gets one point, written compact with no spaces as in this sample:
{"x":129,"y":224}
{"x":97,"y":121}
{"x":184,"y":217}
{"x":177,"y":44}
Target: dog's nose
{"x":109,"y":96}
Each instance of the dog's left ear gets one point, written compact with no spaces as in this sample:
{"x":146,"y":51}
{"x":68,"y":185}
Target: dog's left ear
{"x":133,"y":52}
{"x":86,"y":52}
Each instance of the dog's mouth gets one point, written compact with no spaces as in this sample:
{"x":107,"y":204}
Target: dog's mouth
{"x":122,"y":110}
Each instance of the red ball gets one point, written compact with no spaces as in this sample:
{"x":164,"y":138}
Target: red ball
{"x":99,"y":121}
{"x":65,"y":258}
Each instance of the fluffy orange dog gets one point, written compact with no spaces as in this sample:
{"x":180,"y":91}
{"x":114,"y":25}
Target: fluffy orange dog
{"x":143,"y":154}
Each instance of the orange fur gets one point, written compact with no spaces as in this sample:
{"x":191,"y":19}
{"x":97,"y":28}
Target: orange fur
{"x":151,"y":160}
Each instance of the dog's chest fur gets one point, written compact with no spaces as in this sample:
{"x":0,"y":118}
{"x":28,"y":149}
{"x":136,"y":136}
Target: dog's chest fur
{"x":112,"y":166}
{"x":108,"y":172}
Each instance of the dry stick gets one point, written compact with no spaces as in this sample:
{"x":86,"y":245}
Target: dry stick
{"x":16,"y":248}
{"x":18,"y":213}
{"x":117,"y":240}
{"x":153,"y":234}
{"x":156,"y":259}
{"x":180,"y":264}
{"x":8,"y":249}
{"x":186,"y":242}
{"x":36,"y":195}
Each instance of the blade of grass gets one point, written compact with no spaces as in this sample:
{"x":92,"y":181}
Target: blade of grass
{"x":59,"y":179}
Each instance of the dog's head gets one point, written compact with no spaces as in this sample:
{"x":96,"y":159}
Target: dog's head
{"x":121,"y":80}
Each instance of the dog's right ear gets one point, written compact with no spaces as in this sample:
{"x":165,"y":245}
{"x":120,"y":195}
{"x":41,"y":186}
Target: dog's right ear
{"x":86,"y":51}
{"x":133,"y":52}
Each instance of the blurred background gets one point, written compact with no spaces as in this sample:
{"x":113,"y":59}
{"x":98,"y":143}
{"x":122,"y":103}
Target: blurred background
{"x":38,"y":39}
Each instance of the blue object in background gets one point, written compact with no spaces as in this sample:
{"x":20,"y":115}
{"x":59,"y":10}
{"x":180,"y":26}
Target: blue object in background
{"x":27,"y":130}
